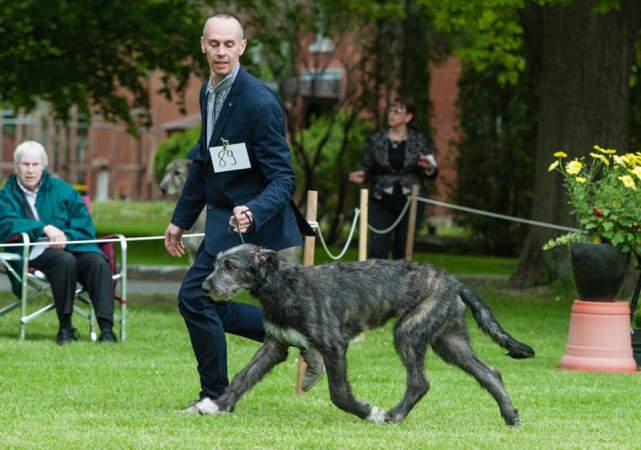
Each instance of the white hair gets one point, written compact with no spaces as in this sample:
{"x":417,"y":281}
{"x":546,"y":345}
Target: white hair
{"x":30,"y":148}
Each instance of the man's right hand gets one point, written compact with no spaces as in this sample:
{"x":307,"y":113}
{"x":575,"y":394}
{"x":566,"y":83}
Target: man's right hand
{"x":56,"y":236}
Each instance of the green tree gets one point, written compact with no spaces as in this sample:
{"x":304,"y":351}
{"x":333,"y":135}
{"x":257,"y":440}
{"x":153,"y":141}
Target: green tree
{"x":177,"y":146}
{"x":496,"y":157}
{"x":393,"y":41}
{"x":96,"y":55}
{"x":341,"y":139}
{"x":583,"y":51}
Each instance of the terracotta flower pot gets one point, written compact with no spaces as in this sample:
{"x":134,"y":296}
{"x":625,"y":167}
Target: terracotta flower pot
{"x":599,"y":338}
{"x":636,"y":345}
{"x":598,"y":270}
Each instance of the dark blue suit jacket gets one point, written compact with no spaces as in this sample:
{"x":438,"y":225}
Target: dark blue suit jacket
{"x":253,"y":115}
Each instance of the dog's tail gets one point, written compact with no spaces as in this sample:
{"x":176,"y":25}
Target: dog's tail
{"x":490,"y":326}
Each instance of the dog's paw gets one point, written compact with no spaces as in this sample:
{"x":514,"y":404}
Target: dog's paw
{"x":376,"y":415}
{"x":393,"y":418}
{"x":208,"y":407}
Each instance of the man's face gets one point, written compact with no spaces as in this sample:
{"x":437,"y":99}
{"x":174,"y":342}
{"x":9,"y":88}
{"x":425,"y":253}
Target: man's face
{"x":29,"y":171}
{"x":222,"y":41}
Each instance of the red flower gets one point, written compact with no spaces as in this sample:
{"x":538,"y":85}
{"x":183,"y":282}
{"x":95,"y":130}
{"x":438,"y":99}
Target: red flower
{"x":597,"y":212}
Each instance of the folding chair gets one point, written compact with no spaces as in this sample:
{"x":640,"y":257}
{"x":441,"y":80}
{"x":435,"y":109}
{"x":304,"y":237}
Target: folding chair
{"x":34,"y":285}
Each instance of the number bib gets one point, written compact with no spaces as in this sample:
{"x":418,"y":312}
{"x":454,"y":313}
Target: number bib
{"x":227,"y":158}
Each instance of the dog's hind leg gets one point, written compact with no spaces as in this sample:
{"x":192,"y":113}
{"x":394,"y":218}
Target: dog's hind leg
{"x":411,"y":346}
{"x":270,"y":354}
{"x":454,"y":347}
{"x":341,"y":392}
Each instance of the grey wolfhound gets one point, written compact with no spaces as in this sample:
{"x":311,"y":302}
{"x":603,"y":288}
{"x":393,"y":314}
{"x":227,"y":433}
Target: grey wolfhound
{"x":326,"y":306}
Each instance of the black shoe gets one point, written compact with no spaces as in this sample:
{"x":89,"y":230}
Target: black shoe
{"x":315,"y":368}
{"x":66,"y":336}
{"x":108,"y":337}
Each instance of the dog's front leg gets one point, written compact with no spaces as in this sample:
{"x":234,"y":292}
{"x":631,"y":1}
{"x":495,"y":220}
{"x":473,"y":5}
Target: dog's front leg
{"x":341,"y":392}
{"x":270,"y":354}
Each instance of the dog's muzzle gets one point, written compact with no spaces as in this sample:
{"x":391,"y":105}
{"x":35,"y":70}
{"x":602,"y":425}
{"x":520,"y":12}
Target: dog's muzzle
{"x":210,"y":291}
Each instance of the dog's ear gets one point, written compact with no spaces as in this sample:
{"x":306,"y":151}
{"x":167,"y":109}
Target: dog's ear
{"x":266,"y":261}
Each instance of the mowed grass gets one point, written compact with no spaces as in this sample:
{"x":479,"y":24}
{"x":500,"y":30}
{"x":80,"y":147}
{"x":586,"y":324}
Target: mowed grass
{"x":144,"y":223}
{"x":91,"y":396}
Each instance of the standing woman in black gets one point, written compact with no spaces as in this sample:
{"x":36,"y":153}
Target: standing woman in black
{"x":395,"y":159}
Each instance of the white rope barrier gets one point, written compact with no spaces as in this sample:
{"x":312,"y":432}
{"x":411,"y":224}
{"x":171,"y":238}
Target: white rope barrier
{"x":319,"y":232}
{"x":396,"y":222}
{"x":497,"y":216}
{"x":94,"y":241}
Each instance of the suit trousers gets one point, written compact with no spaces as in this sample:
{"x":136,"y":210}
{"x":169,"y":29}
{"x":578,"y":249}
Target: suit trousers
{"x":382,"y":215}
{"x":65,"y":269}
{"x":207,"y":322}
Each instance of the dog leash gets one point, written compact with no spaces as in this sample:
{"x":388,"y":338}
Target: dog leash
{"x":242,"y":240}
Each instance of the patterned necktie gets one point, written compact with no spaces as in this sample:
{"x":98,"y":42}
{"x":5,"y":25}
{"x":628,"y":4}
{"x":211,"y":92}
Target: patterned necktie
{"x":214,"y":105}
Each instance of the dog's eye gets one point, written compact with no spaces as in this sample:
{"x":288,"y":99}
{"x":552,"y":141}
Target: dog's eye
{"x":229,"y":265}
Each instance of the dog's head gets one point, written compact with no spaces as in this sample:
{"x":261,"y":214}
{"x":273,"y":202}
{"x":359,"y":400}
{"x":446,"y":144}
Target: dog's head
{"x":175,"y":176}
{"x":240,"y":268}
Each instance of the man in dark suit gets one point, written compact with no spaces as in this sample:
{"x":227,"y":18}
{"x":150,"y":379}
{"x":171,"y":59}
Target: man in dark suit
{"x":242,"y":173}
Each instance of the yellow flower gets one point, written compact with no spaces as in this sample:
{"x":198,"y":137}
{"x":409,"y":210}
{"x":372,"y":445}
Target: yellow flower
{"x":619,"y":161}
{"x":607,"y":151}
{"x":573,"y":167}
{"x":601,"y":158}
{"x":628,"y":182}
{"x":628,"y":159}
{"x":602,"y":192}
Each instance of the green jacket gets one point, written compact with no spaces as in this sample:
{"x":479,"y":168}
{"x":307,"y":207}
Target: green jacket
{"x":57,"y":203}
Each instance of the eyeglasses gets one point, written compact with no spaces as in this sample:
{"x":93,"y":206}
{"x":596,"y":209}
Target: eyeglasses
{"x":396,"y":110}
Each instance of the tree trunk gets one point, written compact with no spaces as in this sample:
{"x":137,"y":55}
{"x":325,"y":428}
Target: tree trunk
{"x":586,"y":61}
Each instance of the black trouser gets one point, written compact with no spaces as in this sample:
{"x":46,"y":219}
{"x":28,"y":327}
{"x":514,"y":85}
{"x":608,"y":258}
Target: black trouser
{"x":382,"y":214}
{"x":65,"y":269}
{"x":208,"y":321}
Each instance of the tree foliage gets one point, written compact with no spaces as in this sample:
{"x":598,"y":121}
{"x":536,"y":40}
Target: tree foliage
{"x":96,"y":55}
{"x":496,"y":157}
{"x":178,"y":146}
{"x":582,"y":52}
{"x":341,"y":138}
{"x":383,"y":49}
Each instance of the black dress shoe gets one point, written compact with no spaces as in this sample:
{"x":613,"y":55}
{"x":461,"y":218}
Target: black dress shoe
{"x":66,"y":336}
{"x":315,"y":368}
{"x":108,"y":337}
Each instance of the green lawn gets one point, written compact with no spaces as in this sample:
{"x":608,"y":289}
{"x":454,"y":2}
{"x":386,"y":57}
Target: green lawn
{"x":88,"y":396}
{"x":144,"y":223}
